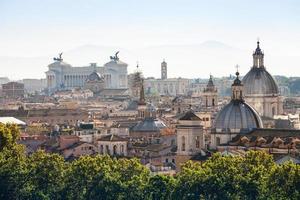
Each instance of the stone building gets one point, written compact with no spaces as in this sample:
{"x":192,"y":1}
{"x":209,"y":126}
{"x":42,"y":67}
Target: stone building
{"x":180,"y":104}
{"x":34,"y":85}
{"x":94,"y":82}
{"x":170,"y":86}
{"x":78,"y":149}
{"x":190,"y":137}
{"x":210,"y":94}
{"x":112,"y":145}
{"x":115,"y":73}
{"x":235,"y":118}
{"x":87,"y":132}
{"x":165,"y":85}
{"x":13,"y":90}
{"x":63,"y":76}
{"x":261,"y":90}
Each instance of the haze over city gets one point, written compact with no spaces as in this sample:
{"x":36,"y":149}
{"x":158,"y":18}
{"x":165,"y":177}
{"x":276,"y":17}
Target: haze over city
{"x":196,"y":38}
{"x":148,"y":100}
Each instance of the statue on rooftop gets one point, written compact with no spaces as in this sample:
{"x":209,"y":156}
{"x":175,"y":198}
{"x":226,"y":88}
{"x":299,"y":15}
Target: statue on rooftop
{"x":59,"y":58}
{"x":115,"y":58}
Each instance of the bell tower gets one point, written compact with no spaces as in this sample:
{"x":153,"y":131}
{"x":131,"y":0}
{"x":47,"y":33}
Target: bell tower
{"x":142,"y":102}
{"x":210,"y":94}
{"x":164,"y":71}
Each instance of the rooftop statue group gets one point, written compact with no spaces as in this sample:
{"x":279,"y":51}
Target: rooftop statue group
{"x":114,"y":58}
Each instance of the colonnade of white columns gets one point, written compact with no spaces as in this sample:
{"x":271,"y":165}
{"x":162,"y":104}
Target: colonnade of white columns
{"x":74,"y":80}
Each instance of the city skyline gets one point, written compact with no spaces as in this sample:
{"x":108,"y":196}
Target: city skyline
{"x":148,"y":33}
{"x":160,"y":99}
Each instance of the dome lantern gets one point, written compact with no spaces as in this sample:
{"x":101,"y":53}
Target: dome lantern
{"x":258,"y":57}
{"x":258,"y":81}
{"x":237,"y":87}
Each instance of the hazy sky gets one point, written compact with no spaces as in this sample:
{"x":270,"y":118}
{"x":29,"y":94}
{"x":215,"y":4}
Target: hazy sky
{"x":30,"y":28}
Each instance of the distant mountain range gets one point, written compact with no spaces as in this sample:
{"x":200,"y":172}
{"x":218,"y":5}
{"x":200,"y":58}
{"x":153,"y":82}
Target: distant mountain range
{"x":184,"y":60}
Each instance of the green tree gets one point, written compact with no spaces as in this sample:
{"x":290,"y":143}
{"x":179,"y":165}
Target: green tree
{"x":9,"y":134}
{"x":83,"y":174}
{"x":225,"y":177}
{"x":255,"y":169}
{"x":284,"y":182}
{"x":12,"y":162}
{"x":12,"y":170}
{"x":103,"y":177}
{"x":160,"y":187}
{"x":190,"y":182}
{"x":49,"y":176}
{"x":45,"y":177}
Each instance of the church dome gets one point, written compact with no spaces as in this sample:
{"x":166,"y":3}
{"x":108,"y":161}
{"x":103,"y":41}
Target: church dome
{"x":258,"y":81}
{"x":237,"y":115}
{"x":94,"y":77}
{"x":149,"y":125}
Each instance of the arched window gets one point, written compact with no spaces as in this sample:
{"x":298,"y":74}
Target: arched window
{"x":122,"y":148}
{"x":101,"y":149}
{"x":213,"y":102}
{"x":165,"y":89}
{"x":142,"y":114}
{"x":273,"y":111}
{"x":218,"y":141}
{"x":107,"y":149}
{"x":171,"y":88}
{"x":173,"y":142}
{"x":183,"y":143}
{"x":197,"y":142}
{"x":115,"y":150}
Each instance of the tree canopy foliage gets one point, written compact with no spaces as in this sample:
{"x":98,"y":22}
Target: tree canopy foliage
{"x":48,"y":176}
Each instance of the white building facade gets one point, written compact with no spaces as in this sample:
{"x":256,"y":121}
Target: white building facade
{"x":190,"y":136}
{"x":63,"y":76}
{"x":167,"y":86}
{"x":170,"y":86}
